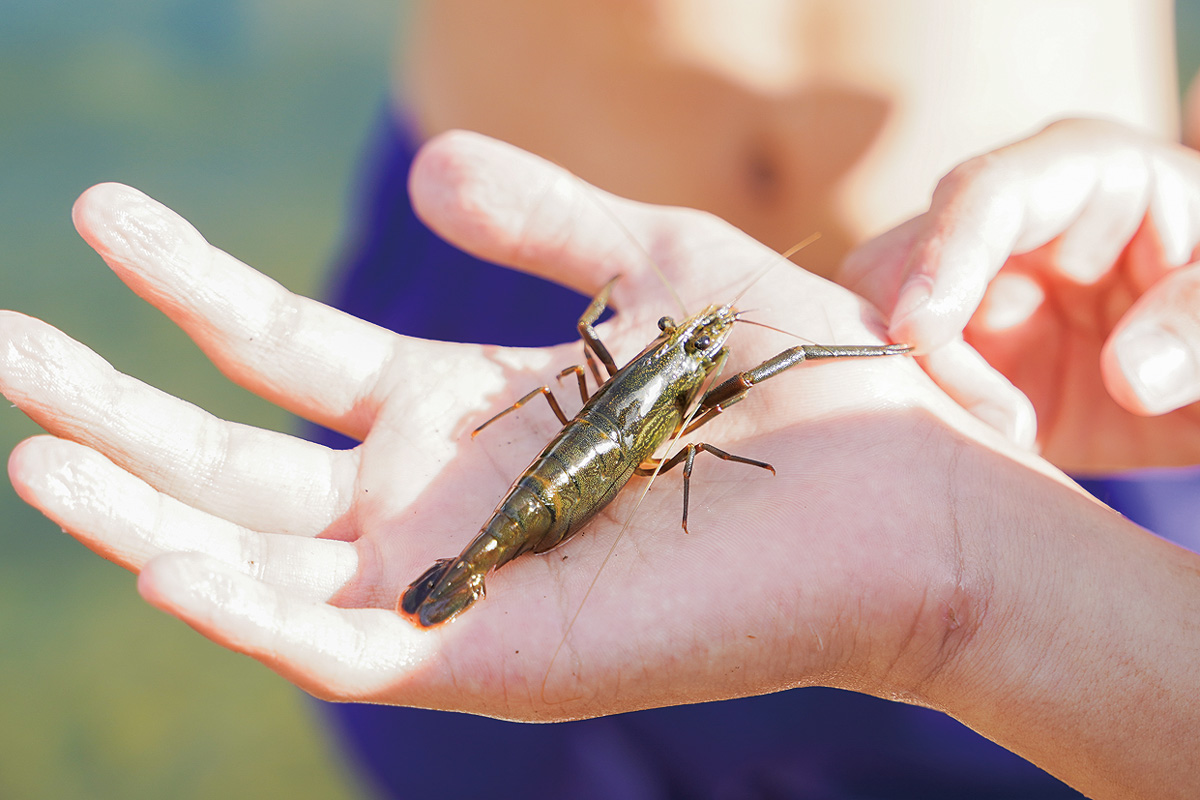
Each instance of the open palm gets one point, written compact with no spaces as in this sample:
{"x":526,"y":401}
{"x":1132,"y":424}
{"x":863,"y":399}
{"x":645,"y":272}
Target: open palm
{"x":297,"y":554}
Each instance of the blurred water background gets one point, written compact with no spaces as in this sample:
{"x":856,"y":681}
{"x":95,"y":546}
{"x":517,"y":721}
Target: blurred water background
{"x":246,"y":116}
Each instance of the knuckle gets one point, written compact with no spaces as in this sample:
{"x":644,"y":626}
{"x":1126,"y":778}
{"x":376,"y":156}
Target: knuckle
{"x":979,"y":172}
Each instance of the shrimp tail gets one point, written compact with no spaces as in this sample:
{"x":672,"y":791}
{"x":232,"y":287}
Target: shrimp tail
{"x":442,"y":592}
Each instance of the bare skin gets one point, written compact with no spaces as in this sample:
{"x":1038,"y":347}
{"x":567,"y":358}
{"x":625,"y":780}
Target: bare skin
{"x":1064,"y":260}
{"x":948,"y":589}
{"x":842,"y":117}
{"x":979,"y":580}
{"x":783,"y":118}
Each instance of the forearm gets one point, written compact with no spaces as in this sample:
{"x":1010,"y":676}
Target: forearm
{"x":1087,"y":660}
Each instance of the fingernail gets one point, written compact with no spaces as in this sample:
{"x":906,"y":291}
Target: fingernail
{"x":1160,"y":367}
{"x":1018,"y":423}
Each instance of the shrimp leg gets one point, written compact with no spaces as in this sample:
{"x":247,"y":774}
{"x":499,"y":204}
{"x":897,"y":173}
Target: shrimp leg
{"x":544,"y":390}
{"x":591,"y":339}
{"x":591,"y":344}
{"x":731,"y":391}
{"x":688,"y":457}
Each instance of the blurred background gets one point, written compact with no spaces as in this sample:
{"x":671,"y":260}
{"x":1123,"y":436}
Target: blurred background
{"x":247,"y":117}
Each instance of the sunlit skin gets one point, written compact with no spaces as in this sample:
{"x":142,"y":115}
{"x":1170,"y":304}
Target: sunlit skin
{"x":1083,"y":231}
{"x":904,"y":549}
{"x":783,"y":117}
{"x":946,"y":589}
{"x":842,"y":117}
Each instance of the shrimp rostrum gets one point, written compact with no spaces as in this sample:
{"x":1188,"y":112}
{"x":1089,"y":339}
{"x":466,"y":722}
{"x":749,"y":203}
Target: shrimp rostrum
{"x":664,"y":392}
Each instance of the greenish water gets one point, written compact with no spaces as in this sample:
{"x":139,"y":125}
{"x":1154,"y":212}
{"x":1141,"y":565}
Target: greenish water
{"x":246,"y":117}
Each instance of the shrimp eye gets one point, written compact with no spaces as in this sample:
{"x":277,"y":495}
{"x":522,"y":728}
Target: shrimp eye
{"x":665,"y":322}
{"x":701,"y":342}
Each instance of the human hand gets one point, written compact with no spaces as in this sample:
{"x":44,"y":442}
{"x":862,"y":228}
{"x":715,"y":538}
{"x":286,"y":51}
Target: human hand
{"x":1061,"y":260}
{"x":297,"y":555}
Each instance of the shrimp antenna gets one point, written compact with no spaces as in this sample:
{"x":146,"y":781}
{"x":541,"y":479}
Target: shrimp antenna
{"x":800,"y":245}
{"x":593,"y":193}
{"x":739,"y":318}
{"x":758,"y":324}
{"x":785,"y":255}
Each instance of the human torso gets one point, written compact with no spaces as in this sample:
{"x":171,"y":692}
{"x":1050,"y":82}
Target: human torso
{"x":785,"y":118}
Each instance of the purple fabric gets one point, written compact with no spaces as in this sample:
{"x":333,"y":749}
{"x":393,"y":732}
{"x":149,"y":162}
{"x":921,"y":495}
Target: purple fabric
{"x":805,"y":743}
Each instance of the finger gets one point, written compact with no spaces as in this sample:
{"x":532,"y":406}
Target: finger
{"x":1175,"y":203}
{"x":1085,"y":184}
{"x":128,"y":522}
{"x":1151,"y":362}
{"x":262,"y":480}
{"x":304,"y":356}
{"x":875,"y":268}
{"x":964,"y":375}
{"x":1008,"y":202}
{"x":509,"y":206}
{"x":336,"y":654}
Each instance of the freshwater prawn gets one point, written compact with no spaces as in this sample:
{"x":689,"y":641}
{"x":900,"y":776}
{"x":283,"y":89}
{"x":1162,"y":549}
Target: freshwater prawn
{"x":663,"y":393}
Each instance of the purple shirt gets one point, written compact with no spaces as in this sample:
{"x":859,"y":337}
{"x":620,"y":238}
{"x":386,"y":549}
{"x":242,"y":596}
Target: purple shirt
{"x":804,"y":743}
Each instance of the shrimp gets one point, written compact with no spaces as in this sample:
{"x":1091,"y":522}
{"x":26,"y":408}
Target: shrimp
{"x":662,"y":393}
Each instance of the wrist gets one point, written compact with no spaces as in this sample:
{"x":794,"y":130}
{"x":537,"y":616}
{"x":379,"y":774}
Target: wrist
{"x":1083,"y":654}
